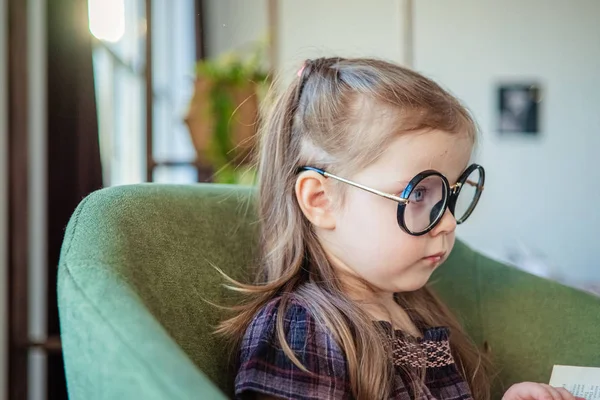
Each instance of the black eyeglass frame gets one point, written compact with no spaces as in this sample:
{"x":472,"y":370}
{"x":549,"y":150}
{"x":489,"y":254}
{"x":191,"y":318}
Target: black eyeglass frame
{"x":450,"y":197}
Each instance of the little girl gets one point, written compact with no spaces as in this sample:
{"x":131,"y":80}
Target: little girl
{"x":363,"y":176}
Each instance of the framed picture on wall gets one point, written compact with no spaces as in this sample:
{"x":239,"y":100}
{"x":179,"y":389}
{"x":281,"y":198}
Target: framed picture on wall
{"x":519,"y":108}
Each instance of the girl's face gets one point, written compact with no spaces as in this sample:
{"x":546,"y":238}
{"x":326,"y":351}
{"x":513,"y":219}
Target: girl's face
{"x":367,"y":240}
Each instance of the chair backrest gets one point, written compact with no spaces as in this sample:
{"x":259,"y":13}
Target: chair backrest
{"x":162,"y":242}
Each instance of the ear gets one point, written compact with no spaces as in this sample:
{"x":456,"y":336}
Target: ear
{"x":315,"y":199}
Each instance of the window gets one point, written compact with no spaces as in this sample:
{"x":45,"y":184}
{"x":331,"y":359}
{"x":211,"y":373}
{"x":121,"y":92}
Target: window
{"x":120,"y":27}
{"x":174,"y":57}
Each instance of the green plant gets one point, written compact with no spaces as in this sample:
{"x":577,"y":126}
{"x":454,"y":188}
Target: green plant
{"x":226,"y":74}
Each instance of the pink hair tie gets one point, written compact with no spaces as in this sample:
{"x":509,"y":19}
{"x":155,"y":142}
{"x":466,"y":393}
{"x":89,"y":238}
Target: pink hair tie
{"x":301,"y":70}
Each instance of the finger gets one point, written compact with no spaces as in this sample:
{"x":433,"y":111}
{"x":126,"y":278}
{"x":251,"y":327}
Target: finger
{"x":558,"y":393}
{"x":566,"y":395}
{"x":537,"y":392}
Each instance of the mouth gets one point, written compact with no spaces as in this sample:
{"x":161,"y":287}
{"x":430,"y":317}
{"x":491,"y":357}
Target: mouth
{"x":435,"y":258}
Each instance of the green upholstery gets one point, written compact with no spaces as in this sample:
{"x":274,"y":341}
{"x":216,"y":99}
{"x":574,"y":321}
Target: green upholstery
{"x":137,"y":268}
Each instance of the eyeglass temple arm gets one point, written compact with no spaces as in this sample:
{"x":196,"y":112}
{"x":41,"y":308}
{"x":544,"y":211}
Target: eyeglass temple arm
{"x":470,"y":182}
{"x":358,"y":185}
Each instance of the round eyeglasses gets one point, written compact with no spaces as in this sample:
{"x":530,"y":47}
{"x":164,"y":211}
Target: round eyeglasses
{"x":423,"y":202}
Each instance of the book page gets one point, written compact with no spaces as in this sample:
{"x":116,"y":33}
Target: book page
{"x":580,"y":381}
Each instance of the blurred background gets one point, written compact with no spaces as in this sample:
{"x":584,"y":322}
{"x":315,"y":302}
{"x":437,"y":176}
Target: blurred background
{"x":109,"y":92}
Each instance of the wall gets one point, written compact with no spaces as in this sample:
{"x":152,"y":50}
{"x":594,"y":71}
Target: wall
{"x":3,"y":198}
{"x":308,"y":29}
{"x":316,"y":28}
{"x":233,"y":24}
{"x":542,"y":192}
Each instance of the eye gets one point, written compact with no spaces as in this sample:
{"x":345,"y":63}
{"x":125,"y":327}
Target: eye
{"x":418,"y":195}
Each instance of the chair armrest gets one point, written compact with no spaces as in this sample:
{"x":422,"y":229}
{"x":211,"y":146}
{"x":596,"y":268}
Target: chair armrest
{"x":532,"y":323}
{"x":113,"y":347}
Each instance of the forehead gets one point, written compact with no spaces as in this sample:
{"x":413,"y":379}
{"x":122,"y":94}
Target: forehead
{"x":411,"y":153}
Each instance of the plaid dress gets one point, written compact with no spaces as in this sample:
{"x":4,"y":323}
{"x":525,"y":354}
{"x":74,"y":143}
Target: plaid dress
{"x":264,"y":367}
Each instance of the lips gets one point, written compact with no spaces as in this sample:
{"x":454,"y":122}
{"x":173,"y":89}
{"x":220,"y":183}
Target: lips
{"x":436,"y":257}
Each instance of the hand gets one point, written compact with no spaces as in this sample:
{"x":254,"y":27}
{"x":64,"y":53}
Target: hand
{"x":537,"y":391}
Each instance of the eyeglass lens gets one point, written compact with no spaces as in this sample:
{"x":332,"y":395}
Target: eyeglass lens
{"x":426,"y":203}
{"x":467,"y":197}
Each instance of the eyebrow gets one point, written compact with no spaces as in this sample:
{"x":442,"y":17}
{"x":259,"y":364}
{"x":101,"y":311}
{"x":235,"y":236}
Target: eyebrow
{"x":402,"y":184}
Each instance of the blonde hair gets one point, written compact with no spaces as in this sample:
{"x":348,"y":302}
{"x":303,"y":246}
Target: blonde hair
{"x":322,"y":120}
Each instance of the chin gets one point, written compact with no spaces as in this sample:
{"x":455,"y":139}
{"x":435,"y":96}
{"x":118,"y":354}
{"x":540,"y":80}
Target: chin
{"x":412,"y":287}
{"x":416,"y":283}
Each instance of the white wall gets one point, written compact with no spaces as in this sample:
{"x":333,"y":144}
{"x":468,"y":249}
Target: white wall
{"x":3,"y":198}
{"x":351,"y":28}
{"x":544,"y":192}
{"x":309,"y":29}
{"x":234,"y":25}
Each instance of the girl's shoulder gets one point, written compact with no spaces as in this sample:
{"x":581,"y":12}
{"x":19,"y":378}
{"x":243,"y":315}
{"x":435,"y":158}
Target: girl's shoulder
{"x":265,"y":367}
{"x":300,"y":327}
{"x":294,"y":310}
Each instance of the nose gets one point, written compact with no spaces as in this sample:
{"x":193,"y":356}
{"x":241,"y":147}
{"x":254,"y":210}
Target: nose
{"x":445,"y":225}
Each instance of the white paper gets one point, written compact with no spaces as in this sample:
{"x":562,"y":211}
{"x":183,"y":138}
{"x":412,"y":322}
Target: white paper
{"x":580,"y":381}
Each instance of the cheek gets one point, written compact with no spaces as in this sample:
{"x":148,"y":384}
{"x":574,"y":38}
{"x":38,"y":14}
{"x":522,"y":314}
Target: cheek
{"x":450,"y":240}
{"x":370,"y":231}
{"x":369,"y":216}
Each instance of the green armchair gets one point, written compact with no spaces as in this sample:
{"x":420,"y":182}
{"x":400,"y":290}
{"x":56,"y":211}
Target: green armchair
{"x":136,"y":272}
